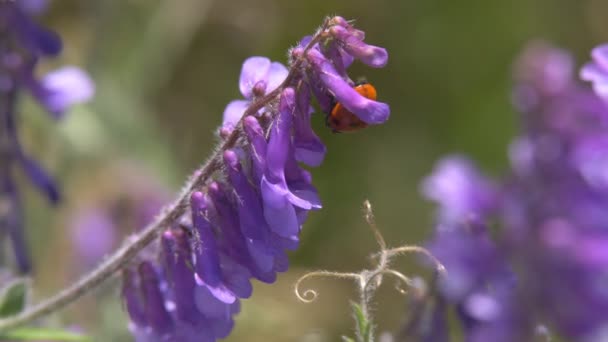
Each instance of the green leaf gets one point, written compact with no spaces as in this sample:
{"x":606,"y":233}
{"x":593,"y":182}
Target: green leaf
{"x":347,"y":339}
{"x":13,"y":297}
{"x":38,"y":334}
{"x":363,"y":324}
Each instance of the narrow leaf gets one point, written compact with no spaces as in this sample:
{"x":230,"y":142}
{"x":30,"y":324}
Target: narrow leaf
{"x":13,"y":297}
{"x":40,"y":334}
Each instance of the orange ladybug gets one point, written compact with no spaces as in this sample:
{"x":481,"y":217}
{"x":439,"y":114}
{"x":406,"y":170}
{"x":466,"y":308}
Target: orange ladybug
{"x":341,"y":119}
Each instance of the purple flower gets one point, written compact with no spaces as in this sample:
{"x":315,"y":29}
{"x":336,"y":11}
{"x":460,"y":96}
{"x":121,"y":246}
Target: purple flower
{"x":242,"y":222}
{"x":25,"y":43}
{"x":596,"y":72}
{"x":259,"y":76}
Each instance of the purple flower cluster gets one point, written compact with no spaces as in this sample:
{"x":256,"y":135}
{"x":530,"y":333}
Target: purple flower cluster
{"x":551,"y":213}
{"x":242,"y":222}
{"x":23,"y":43}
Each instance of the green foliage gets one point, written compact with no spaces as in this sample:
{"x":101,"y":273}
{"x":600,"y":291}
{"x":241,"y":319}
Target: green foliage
{"x":364,"y":326}
{"x":39,"y":334}
{"x":13,"y":297}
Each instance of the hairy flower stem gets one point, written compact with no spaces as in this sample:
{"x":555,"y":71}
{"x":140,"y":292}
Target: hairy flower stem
{"x":168,"y":215}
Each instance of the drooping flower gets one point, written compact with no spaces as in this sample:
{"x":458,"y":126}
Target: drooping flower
{"x":24,"y":43}
{"x":242,"y":222}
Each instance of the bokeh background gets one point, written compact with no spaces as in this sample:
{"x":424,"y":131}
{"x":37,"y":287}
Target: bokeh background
{"x":164,"y":71}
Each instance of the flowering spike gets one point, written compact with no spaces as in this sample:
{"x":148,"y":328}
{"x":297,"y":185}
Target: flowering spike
{"x":249,"y":211}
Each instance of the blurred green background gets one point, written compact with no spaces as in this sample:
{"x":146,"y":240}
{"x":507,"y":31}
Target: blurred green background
{"x":165,"y":70}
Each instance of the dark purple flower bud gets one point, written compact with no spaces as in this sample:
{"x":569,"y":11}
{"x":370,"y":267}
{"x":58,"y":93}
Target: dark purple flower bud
{"x":257,"y":147}
{"x":243,"y":251}
{"x":133,"y":298}
{"x":340,"y":21}
{"x":251,"y":217}
{"x":207,"y":263}
{"x":373,"y":56}
{"x":371,"y":112}
{"x":178,"y":262}
{"x":40,"y":178}
{"x":157,"y":316}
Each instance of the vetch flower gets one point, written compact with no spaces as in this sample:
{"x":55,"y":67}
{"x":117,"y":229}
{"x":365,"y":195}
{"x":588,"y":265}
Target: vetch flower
{"x":242,"y":221}
{"x":25,"y":43}
{"x":259,"y":76}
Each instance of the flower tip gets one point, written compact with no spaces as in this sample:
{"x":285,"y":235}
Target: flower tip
{"x":600,"y":55}
{"x":374,"y":113}
{"x":197,"y":199}
{"x":231,"y":159}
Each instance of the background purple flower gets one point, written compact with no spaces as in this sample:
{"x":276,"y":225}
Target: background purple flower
{"x":24,"y":43}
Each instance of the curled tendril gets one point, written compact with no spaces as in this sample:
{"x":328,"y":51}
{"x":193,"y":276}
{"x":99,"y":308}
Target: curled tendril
{"x":402,"y":279}
{"x":309,"y":296}
{"x":417,"y":249}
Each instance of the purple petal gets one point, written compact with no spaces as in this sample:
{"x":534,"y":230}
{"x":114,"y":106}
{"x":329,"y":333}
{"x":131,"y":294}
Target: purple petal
{"x":598,"y":77}
{"x":221,"y":291}
{"x":33,"y":6}
{"x":278,"y":211}
{"x":255,"y":69}
{"x":280,"y":137}
{"x":600,"y":56}
{"x":40,"y":178}
{"x":251,"y":219}
{"x":209,"y":305}
{"x":276,"y":75}
{"x":234,"y":112}
{"x":35,"y":37}
{"x":309,"y":149}
{"x":63,"y":88}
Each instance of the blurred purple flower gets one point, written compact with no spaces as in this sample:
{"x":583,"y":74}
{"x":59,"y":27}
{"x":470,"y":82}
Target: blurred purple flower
{"x":460,"y":190}
{"x":597,"y":71}
{"x":551,"y":211}
{"x":478,"y":280}
{"x":242,"y":223}
{"x":24,"y":43}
